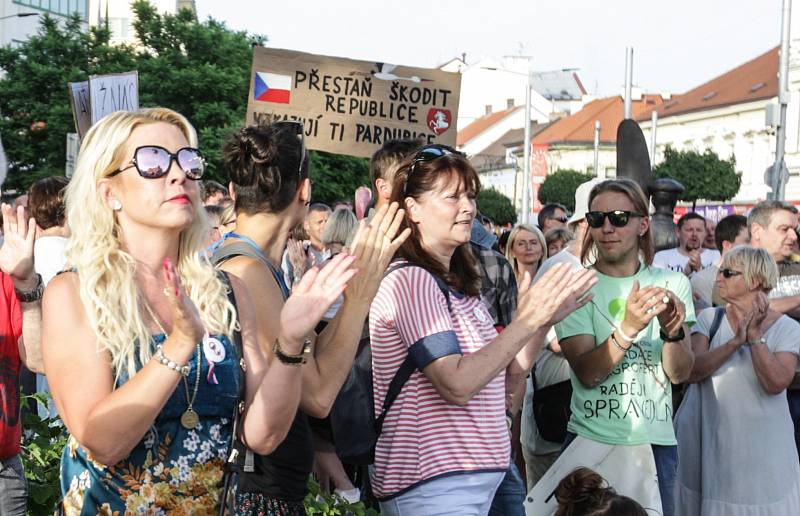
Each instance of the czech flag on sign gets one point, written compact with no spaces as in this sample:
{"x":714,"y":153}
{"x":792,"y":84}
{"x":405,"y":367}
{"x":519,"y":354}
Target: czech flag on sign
{"x":272,"y":87}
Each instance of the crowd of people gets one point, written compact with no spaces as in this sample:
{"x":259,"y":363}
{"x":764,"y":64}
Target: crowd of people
{"x":202,"y":342}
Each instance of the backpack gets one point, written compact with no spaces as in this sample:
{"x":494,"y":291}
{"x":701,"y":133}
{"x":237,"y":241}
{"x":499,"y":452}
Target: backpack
{"x":354,"y":427}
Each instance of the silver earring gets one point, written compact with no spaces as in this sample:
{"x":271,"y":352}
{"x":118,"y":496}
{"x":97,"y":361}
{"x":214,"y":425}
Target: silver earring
{"x":116,"y":205}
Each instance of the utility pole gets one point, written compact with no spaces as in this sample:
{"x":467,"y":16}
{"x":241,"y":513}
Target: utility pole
{"x":653,"y":128}
{"x":780,"y":174}
{"x":596,"y":148}
{"x":526,"y":154}
{"x":628,"y":81}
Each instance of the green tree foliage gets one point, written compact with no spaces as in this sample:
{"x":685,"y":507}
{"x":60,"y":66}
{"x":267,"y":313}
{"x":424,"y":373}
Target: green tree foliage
{"x":560,"y":187}
{"x":705,"y":176}
{"x":35,"y":113}
{"x":200,"y":69}
{"x":497,"y":207}
{"x":336,"y":177}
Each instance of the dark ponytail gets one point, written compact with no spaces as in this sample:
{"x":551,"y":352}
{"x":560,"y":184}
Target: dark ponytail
{"x":262,"y":162}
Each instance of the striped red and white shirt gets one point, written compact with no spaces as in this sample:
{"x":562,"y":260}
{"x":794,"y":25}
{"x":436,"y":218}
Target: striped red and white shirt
{"x":423,"y":435}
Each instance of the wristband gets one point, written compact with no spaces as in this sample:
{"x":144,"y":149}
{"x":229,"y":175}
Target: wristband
{"x":35,"y":294}
{"x":295,"y":360}
{"x":622,"y":334}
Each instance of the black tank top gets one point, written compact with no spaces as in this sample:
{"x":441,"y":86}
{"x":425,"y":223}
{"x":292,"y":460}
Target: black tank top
{"x":284,"y":472}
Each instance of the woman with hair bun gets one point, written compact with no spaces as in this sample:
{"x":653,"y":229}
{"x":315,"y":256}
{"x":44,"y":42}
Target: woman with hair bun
{"x":138,"y":338}
{"x":585,"y":493}
{"x":268,"y":168}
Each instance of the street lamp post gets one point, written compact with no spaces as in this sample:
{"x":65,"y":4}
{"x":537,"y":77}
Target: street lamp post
{"x":779,"y":175}
{"x":526,"y":166}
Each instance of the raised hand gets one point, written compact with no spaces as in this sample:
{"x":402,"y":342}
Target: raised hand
{"x":694,"y":263}
{"x":186,"y":320}
{"x":313,"y":295}
{"x":740,"y":335}
{"x":16,"y":254}
{"x":297,"y":257}
{"x":556,"y":294}
{"x":374,"y":246}
{"x":672,"y":317}
{"x":641,"y":307}
{"x":756,"y":326}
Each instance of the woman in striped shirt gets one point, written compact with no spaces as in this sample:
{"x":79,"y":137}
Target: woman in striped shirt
{"x":444,"y":447}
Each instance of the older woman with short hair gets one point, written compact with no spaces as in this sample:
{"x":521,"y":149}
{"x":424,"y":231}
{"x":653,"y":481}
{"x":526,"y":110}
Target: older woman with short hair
{"x":735,"y":437}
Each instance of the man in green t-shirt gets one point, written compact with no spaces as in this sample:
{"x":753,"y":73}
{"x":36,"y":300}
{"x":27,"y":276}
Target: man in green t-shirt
{"x":631,"y":341}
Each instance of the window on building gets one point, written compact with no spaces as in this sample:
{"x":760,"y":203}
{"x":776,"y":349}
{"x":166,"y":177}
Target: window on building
{"x":509,"y":103}
{"x":120,"y":27}
{"x":488,"y":109}
{"x":59,"y":7}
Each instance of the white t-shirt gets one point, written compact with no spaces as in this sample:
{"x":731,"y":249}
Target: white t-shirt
{"x":49,"y":259}
{"x":673,"y":260}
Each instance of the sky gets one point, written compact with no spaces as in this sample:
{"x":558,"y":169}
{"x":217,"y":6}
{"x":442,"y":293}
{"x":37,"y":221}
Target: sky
{"x":678,"y":44}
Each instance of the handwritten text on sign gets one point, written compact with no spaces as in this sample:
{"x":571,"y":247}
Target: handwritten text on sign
{"x":352,"y":107}
{"x":109,"y":93}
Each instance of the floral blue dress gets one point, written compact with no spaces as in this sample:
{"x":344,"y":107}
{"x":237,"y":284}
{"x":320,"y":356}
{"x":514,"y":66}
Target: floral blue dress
{"x":173,"y":470}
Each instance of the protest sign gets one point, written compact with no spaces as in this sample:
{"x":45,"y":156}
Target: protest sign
{"x":114,"y":92}
{"x":352,"y":107}
{"x":79,"y":100}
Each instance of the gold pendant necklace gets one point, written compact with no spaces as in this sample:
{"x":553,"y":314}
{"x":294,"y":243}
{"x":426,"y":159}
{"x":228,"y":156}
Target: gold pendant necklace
{"x":189,"y":418}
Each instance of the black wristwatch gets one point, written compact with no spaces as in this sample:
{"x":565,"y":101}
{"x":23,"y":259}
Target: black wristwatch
{"x":677,"y":338}
{"x":35,"y":294}
{"x":299,"y":359}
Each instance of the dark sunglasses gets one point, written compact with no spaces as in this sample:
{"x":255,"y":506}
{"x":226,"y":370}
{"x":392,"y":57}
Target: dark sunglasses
{"x":430,"y":153}
{"x":617,"y":218}
{"x":153,"y":161}
{"x":297,"y":129}
{"x":729,"y":273}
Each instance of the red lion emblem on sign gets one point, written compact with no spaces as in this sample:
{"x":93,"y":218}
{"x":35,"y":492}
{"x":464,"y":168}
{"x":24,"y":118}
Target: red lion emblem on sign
{"x":439,"y":120}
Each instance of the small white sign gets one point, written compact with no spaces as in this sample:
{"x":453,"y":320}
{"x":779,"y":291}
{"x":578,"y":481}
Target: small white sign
{"x":116,"y":92}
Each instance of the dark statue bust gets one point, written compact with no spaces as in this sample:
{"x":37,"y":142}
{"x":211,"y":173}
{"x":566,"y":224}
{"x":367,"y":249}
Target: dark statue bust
{"x":633,"y":162}
{"x":664,"y":194}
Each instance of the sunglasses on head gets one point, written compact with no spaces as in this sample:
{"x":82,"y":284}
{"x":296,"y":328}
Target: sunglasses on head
{"x":729,"y":273}
{"x":617,"y":218}
{"x":153,"y":161}
{"x":297,"y":129}
{"x":430,"y":153}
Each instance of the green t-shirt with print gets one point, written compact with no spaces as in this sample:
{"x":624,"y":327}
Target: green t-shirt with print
{"x":634,"y":404}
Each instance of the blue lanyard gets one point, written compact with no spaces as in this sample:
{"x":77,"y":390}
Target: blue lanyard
{"x":249,"y":241}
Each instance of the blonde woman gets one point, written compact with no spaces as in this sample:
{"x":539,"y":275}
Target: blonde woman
{"x":526,"y":250}
{"x":137,"y":339}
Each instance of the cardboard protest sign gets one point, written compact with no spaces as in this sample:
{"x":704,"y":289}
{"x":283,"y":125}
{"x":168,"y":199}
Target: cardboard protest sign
{"x":102,"y":94}
{"x":352,"y":107}
{"x":79,"y":100}
{"x":114,"y":92}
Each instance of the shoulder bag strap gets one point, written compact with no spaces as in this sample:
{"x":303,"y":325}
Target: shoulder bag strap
{"x":719,"y":313}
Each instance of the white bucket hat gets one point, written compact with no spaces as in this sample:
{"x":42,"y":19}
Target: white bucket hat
{"x":582,"y":200}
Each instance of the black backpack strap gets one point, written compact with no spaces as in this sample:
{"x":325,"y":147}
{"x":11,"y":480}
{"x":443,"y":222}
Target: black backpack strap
{"x":236,"y":452}
{"x":408,"y":367}
{"x":719,"y":313}
{"x":402,"y":375}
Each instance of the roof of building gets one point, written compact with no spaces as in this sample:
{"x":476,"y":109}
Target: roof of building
{"x":558,"y":85}
{"x":754,"y":80}
{"x":481,"y":124}
{"x":579,"y":128}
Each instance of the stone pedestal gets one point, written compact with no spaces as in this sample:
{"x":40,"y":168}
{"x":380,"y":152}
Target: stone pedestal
{"x":664,"y":194}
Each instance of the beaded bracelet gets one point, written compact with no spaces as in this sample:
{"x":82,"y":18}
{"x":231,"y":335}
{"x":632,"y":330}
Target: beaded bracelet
{"x":163,"y":360}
